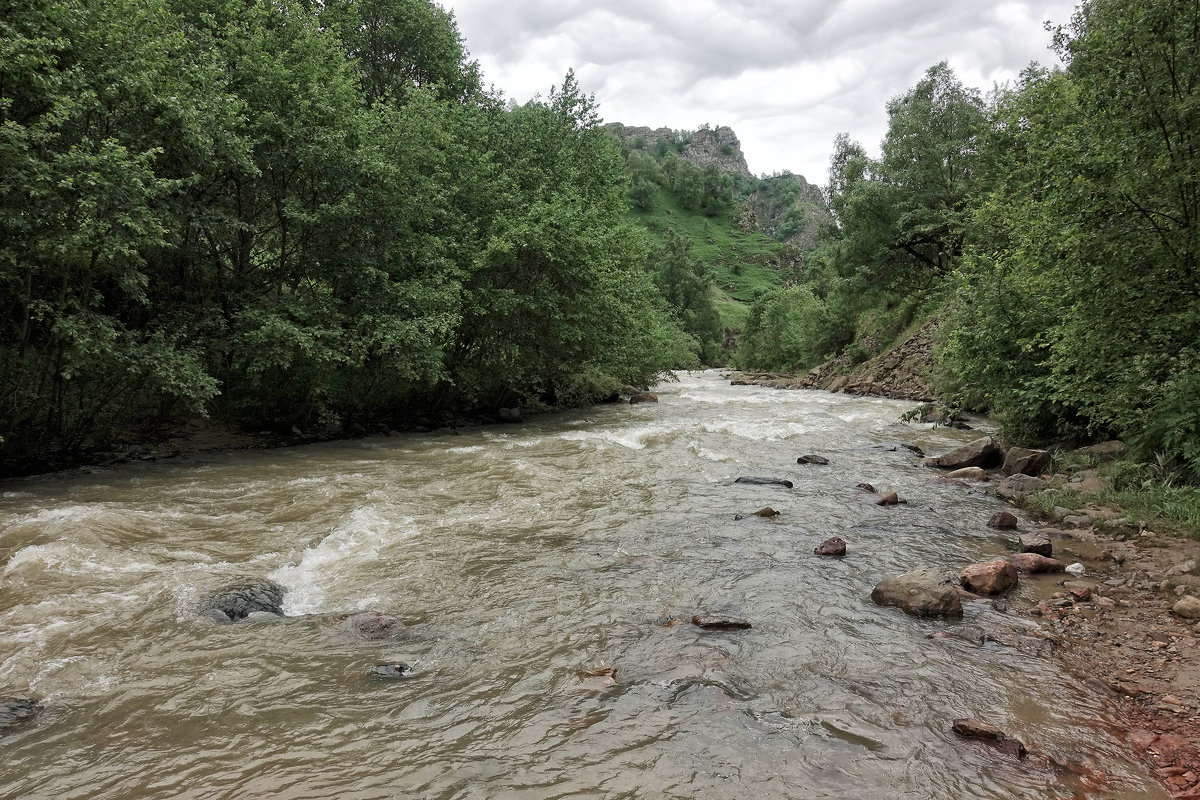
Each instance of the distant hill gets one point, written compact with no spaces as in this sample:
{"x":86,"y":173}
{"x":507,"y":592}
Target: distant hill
{"x":785,"y":207}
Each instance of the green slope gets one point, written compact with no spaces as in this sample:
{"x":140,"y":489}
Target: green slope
{"x":744,"y":265}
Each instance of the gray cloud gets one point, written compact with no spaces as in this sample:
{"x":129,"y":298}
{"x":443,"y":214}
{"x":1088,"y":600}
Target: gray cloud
{"x":787,"y":76}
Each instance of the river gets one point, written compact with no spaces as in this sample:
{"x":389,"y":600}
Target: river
{"x":519,"y":558}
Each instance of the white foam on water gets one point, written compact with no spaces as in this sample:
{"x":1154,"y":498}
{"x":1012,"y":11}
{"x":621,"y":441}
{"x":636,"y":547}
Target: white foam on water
{"x":470,"y":448}
{"x":712,"y":398}
{"x":705,"y":453}
{"x":632,"y":438}
{"x":767,"y":431}
{"x":357,"y":540}
{"x":69,"y":558}
{"x":48,"y":516}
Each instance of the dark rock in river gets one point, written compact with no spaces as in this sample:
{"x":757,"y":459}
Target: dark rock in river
{"x":371,"y":626}
{"x":717,"y":622}
{"x":767,"y":512}
{"x":921,"y":593}
{"x":1003,"y":521}
{"x":974,"y":729}
{"x":834,"y":546}
{"x":818,"y":460}
{"x":643,"y":397}
{"x":866,"y":487}
{"x":17,"y":711}
{"x":983,"y":452}
{"x":753,"y":481}
{"x":392,"y":671}
{"x":240,"y":600}
{"x":1035,"y":543}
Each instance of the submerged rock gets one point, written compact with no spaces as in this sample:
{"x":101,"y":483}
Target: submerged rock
{"x":989,"y":577}
{"x":921,"y":593}
{"x":983,"y":452}
{"x":17,"y":711}
{"x":643,"y":397}
{"x":834,"y":546}
{"x":974,"y":729}
{"x":240,"y":600}
{"x":393,"y":671}
{"x":755,"y":481}
{"x":371,"y":626}
{"x":718,"y":622}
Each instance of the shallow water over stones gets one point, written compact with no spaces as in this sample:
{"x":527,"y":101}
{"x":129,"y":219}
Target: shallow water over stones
{"x":537,"y":581}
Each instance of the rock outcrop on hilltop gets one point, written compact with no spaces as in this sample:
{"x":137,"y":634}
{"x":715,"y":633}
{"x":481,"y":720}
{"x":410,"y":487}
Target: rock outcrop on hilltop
{"x":718,"y":146}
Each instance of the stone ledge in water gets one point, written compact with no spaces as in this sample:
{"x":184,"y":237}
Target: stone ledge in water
{"x":240,"y":600}
{"x":643,"y":397}
{"x":820,"y":461}
{"x":756,"y":481}
{"x":720,"y":623}
{"x":921,"y":593}
{"x":974,"y":729}
{"x":17,"y":711}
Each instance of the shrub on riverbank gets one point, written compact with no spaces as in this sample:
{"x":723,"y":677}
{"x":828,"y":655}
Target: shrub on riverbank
{"x":279,"y":214}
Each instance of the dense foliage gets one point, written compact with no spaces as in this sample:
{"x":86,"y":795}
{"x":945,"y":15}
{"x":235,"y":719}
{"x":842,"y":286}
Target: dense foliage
{"x":1058,"y":225}
{"x":297,"y":214}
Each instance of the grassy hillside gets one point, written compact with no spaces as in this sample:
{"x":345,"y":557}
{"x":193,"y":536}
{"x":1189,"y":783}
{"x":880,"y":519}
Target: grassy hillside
{"x":745,"y":265}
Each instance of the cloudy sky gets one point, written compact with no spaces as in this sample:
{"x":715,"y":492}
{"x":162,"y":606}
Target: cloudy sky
{"x":786,"y":75}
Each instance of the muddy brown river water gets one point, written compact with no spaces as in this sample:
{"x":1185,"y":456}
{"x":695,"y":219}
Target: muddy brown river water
{"x":519,"y":558}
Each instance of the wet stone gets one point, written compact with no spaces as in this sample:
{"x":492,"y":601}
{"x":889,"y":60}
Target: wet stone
{"x":239,"y":600}
{"x":758,"y":481}
{"x":767,"y":512}
{"x":643,"y":397}
{"x":810,"y":459}
{"x":1002,"y":521}
{"x":1035,"y":543}
{"x":989,"y":577}
{"x":974,"y":729}
{"x":834,"y":546}
{"x":1034,"y":563}
{"x":719,"y":622}
{"x":921,"y":593}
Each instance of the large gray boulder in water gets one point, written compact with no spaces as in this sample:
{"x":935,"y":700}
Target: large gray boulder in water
{"x":17,"y":711}
{"x":983,"y":452}
{"x":922,"y":593}
{"x":240,"y":600}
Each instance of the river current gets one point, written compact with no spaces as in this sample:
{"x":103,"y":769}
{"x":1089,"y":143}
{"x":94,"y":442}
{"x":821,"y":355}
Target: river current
{"x":520,"y":558}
